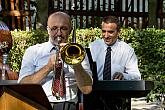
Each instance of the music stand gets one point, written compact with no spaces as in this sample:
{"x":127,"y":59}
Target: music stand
{"x":23,"y":96}
{"x":120,"y":89}
{"x":124,"y":88}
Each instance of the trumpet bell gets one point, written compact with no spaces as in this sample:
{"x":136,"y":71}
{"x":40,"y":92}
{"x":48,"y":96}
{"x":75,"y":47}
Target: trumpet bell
{"x":73,"y":53}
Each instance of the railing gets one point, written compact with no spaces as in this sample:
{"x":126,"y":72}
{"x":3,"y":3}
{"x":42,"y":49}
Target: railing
{"x":88,"y":13}
{"x":17,"y":14}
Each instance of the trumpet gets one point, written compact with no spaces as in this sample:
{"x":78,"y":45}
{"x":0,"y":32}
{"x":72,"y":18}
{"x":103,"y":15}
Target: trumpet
{"x":73,"y":53}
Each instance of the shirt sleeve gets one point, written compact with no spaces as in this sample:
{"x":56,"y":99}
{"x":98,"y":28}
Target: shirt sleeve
{"x":86,"y":65}
{"x":131,"y":69}
{"x":27,"y":67}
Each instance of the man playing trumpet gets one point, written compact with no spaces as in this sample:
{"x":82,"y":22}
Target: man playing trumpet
{"x":38,"y":65}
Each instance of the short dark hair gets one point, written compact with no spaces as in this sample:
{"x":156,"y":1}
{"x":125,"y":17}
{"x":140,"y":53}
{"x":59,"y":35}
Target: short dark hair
{"x":111,"y":19}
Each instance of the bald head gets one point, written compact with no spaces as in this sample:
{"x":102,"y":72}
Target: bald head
{"x":59,"y":25}
{"x":62,"y":16}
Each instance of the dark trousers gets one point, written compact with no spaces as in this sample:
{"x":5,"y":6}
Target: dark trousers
{"x":64,"y":106}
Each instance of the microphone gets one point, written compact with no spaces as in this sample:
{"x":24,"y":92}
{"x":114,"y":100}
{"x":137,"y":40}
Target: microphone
{"x":5,"y":57}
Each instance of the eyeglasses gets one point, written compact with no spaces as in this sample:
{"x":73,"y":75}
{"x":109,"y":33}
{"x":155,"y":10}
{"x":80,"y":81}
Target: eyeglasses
{"x":55,"y":29}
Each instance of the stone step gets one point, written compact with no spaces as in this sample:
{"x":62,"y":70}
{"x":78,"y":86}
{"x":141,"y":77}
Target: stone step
{"x":141,"y":104}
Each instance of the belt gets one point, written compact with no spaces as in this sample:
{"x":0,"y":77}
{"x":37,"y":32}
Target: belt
{"x":63,"y":105}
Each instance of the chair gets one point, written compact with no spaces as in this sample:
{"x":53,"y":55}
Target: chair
{"x":5,"y":46}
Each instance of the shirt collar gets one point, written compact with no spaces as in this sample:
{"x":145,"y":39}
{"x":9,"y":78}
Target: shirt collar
{"x":50,"y":46}
{"x":112,"y":46}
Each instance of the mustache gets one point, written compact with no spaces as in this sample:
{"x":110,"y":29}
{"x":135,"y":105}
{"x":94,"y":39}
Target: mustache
{"x":57,"y":37}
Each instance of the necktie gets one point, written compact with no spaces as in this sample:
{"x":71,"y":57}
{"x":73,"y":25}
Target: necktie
{"x":107,"y":65}
{"x":58,"y":85}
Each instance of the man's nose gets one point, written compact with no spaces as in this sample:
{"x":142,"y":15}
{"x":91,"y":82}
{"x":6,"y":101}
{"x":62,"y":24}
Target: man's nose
{"x":59,"y":32}
{"x":106,"y":34}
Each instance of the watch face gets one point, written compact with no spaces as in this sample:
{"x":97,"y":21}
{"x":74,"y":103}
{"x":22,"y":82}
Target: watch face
{"x":5,"y":38}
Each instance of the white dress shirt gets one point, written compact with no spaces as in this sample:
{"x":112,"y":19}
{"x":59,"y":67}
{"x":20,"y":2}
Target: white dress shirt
{"x":123,"y":59}
{"x":36,"y":57}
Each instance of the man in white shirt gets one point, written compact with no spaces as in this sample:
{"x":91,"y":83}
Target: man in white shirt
{"x":124,"y":64}
{"x":39,"y":61}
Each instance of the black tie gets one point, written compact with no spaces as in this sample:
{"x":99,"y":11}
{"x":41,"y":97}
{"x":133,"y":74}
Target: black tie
{"x":107,"y":65}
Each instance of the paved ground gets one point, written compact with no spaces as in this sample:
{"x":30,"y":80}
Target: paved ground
{"x":141,"y":104}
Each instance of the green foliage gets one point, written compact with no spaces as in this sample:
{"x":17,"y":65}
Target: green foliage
{"x":149,"y":45}
{"x":21,"y":41}
{"x":85,"y":36}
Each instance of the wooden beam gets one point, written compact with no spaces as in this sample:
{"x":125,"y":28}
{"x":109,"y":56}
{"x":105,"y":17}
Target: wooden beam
{"x":18,"y":13}
{"x":106,"y":13}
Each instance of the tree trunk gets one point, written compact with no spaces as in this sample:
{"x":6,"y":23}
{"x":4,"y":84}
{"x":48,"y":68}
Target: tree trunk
{"x":152,"y":17}
{"x":42,"y":13}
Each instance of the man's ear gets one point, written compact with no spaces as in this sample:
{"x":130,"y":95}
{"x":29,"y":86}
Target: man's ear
{"x":48,"y":30}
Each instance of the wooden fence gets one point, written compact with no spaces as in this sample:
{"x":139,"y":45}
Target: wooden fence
{"x":88,"y":13}
{"x":17,"y":14}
